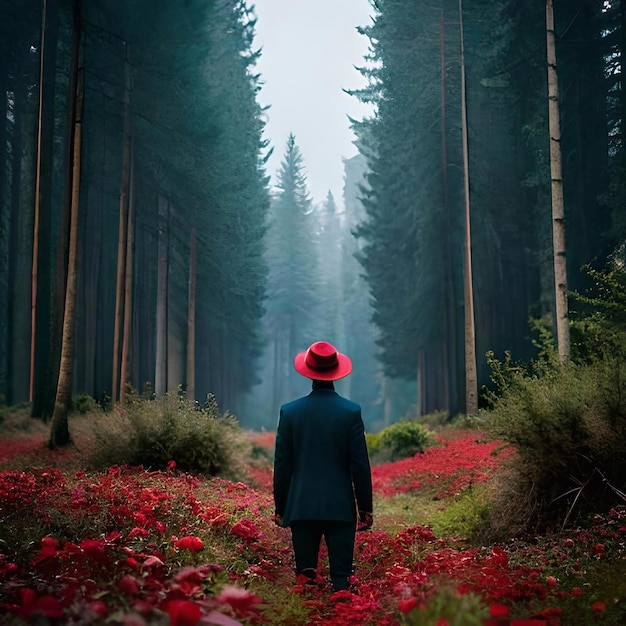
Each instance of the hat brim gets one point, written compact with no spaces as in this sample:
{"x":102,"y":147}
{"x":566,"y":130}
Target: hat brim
{"x":343,"y":368}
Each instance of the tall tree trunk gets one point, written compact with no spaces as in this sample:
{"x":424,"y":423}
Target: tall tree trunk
{"x":15,"y":367}
{"x":122,"y":237}
{"x":421,"y":383}
{"x":59,"y":431}
{"x":5,"y":229}
{"x":448,"y":342}
{"x":387,"y":401}
{"x":558,"y":211}
{"x":35,"y":261}
{"x":191,"y":322}
{"x":471,"y":376}
{"x":22,"y":203}
{"x":43,"y":372}
{"x":60,"y":277}
{"x":160,"y":377}
{"x":128,"y":279}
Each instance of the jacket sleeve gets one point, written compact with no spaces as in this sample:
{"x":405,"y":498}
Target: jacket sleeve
{"x":360,"y":465}
{"x":283,"y":464}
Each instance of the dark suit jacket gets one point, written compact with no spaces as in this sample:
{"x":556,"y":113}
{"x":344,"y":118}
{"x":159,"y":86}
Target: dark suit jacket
{"x":321,"y":466}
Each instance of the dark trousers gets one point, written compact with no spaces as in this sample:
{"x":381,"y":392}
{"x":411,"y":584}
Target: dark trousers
{"x":306,"y":536}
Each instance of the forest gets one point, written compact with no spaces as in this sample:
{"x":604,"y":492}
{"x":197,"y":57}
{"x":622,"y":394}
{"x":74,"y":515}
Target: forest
{"x":143,"y":250}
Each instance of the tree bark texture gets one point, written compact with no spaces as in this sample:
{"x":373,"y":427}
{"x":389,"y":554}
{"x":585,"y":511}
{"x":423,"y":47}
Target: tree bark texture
{"x":160,"y":376}
{"x":122,"y":239}
{"x":471,"y":376}
{"x":558,"y":211}
{"x":128,"y":280}
{"x":59,"y":431}
{"x":191,"y":322}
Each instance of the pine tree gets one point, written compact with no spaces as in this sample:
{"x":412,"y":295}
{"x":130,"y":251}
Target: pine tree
{"x":291,"y":308}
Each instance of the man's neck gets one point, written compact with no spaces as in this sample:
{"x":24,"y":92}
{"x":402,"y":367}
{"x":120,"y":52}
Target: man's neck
{"x":323,"y":384}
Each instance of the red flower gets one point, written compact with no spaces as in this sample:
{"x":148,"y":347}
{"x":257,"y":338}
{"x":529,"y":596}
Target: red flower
{"x":128,"y":584}
{"x":598,"y":607}
{"x":152,"y":560}
{"x":246,"y":529}
{"x":442,"y":621}
{"x":182,"y":612}
{"x":551,"y":612}
{"x":49,"y":547}
{"x":576,"y":592}
{"x":498,"y":610}
{"x":463,"y":588}
{"x":598,"y":549}
{"x":44,"y":605}
{"x":551,"y":581}
{"x":99,"y":607}
{"x":193,"y":544}
{"x":406,"y":606}
{"x":241,"y":601}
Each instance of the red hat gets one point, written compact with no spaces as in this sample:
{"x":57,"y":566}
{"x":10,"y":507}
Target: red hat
{"x":322,"y":362}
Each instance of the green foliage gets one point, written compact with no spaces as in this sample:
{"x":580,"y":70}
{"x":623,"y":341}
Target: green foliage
{"x":405,"y":438}
{"x":19,"y":410}
{"x":373,"y":443}
{"x":567,"y":423}
{"x":154,"y":433}
{"x":437,"y":419}
{"x":504,"y":374}
{"x":83,"y":403}
{"x":466,"y":515}
{"x":569,"y":430}
{"x":449,"y":606}
{"x":598,"y":326}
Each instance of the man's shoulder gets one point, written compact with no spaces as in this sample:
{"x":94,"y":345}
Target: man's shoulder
{"x":350,"y":404}
{"x":292,"y":404}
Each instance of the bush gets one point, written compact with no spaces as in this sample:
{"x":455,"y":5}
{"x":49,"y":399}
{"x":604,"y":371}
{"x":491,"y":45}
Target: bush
{"x":466,"y":515}
{"x":373,"y":444}
{"x":152,"y":433}
{"x":83,"y":403}
{"x":569,"y":430}
{"x":404,"y":438}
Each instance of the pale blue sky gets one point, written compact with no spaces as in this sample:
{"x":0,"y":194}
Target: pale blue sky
{"x":310,"y":48}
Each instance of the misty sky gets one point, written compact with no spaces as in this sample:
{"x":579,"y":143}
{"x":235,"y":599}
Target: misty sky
{"x":310,"y":49}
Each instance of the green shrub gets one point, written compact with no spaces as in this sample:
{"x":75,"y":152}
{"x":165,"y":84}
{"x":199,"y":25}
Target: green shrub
{"x":373,"y":444}
{"x":466,"y":515}
{"x":405,"y":438}
{"x":152,"y":433}
{"x":439,"y":419}
{"x":569,"y":430}
{"x":83,"y":403}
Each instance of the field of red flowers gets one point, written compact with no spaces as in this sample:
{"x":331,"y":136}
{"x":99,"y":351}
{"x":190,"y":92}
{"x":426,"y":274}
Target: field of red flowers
{"x":136,"y":547}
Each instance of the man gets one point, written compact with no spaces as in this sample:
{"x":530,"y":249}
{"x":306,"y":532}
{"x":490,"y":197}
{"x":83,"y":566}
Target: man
{"x":322,"y":476}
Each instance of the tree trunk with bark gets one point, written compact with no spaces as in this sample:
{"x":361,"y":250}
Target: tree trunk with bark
{"x":160,"y":376}
{"x":43,"y":374}
{"x":122,"y":239}
{"x":471,"y":375}
{"x":558,"y":211}
{"x":59,"y":431}
{"x":190,"y":373}
{"x":128,"y":281}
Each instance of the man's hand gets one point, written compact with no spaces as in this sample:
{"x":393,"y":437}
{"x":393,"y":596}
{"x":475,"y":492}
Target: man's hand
{"x":366,"y":520}
{"x":278,"y":520}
